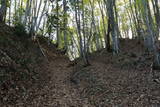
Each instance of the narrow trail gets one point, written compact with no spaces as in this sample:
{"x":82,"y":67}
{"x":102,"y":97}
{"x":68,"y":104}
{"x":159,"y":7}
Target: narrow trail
{"x":59,"y":91}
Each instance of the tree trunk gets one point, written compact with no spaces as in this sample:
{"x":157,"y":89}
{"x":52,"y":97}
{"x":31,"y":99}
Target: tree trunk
{"x":65,"y":25}
{"x":3,"y":10}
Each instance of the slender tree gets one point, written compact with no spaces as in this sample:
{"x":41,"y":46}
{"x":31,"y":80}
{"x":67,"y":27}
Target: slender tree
{"x":3,"y":10}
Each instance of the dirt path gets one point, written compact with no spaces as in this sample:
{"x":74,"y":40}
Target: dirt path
{"x":103,"y":84}
{"x":59,"y":91}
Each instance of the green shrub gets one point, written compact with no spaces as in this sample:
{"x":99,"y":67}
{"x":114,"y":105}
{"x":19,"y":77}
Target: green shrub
{"x":20,"y":30}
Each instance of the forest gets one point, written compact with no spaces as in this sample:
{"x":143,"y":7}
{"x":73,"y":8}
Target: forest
{"x":79,"y":53}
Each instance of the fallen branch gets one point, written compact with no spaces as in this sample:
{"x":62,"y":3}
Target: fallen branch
{"x":42,"y":50}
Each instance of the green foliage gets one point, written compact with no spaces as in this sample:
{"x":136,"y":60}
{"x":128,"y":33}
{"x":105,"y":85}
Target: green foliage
{"x":17,"y":16}
{"x":7,"y":2}
{"x":51,"y":23}
{"x":20,"y":30}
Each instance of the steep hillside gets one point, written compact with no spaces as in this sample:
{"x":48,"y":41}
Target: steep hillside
{"x":19,"y":61}
{"x":23,"y":66}
{"x":123,"y":80}
{"x":35,"y":74}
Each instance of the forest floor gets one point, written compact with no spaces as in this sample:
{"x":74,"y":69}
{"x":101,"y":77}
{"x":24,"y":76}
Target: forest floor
{"x":123,"y":80}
